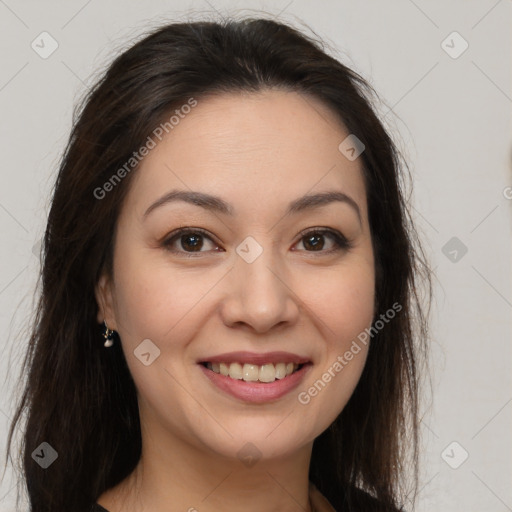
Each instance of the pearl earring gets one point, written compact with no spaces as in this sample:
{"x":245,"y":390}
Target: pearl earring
{"x":108,"y":336}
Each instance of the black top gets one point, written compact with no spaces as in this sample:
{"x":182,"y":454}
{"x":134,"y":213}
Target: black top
{"x":98,"y":508}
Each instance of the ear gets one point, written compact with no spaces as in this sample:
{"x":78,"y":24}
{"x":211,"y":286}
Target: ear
{"x":104,"y":298}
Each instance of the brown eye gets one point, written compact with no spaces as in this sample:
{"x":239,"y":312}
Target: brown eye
{"x":188,"y":240}
{"x":191,"y":241}
{"x":314,"y":240}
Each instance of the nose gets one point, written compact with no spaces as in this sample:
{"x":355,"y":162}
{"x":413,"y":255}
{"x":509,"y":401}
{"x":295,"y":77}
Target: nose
{"x":259,"y":296}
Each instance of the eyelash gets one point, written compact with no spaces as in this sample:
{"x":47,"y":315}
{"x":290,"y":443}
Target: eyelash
{"x":340,"y":241}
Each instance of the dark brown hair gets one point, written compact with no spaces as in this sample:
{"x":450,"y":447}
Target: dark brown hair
{"x":81,"y":399}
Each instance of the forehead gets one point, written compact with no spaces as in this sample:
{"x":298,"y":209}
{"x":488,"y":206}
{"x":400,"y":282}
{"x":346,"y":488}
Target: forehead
{"x":257,"y":150}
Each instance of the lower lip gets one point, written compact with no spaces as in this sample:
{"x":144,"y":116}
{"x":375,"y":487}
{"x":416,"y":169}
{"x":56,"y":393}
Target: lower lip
{"x":257,"y":392}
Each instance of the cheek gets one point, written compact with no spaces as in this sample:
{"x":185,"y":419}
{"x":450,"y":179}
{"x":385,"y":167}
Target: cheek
{"x":343,"y":304}
{"x":151,"y":297}
{"x":350,"y":306}
{"x":342,"y":300}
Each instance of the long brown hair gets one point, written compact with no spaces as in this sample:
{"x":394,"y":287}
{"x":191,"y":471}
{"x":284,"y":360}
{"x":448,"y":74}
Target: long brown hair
{"x":81,"y":399}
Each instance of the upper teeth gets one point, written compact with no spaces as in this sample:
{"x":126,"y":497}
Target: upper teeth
{"x":252,"y":372}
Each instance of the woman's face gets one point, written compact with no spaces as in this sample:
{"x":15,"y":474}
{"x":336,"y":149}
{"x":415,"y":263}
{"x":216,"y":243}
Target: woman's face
{"x":254,"y":282}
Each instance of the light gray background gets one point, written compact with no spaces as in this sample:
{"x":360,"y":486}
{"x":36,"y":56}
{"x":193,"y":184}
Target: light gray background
{"x":450,"y":116}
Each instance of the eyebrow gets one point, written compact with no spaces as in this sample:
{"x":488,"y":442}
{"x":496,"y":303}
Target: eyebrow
{"x":216,"y":204}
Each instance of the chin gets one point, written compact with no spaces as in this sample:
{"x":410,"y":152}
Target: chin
{"x":265,"y":438}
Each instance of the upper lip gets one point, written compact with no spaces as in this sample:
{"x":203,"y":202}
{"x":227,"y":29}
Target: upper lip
{"x":255,"y":358}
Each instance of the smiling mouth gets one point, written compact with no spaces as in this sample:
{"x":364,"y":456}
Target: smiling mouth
{"x":265,"y":373}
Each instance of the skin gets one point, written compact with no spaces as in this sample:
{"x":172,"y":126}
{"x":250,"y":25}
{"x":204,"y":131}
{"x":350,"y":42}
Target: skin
{"x":258,"y":152}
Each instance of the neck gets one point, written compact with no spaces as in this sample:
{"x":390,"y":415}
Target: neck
{"x":174,"y":475}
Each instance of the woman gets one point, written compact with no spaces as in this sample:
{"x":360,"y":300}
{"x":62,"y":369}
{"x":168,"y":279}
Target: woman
{"x":228,"y":288}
